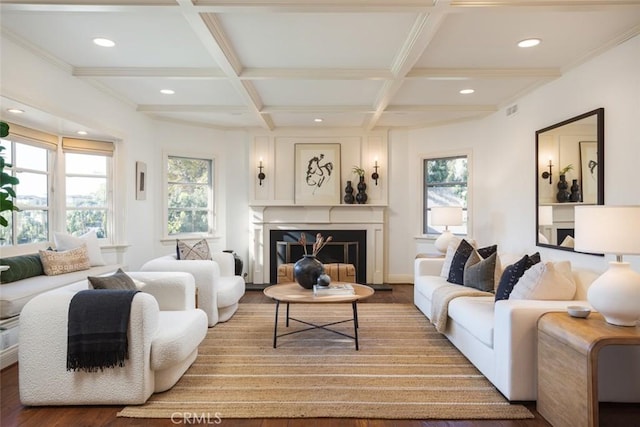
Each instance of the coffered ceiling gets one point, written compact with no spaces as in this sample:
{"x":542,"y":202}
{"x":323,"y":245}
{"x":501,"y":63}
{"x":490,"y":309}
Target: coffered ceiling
{"x":351,"y":63}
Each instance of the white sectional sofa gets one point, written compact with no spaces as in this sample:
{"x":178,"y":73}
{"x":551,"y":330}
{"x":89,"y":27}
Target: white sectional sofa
{"x":500,"y":338}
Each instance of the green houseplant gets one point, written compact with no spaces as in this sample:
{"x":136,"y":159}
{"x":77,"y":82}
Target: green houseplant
{"x":7,"y":182}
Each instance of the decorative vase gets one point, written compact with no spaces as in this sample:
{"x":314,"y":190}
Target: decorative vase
{"x":307,"y":270}
{"x":575,"y":191}
{"x":563,"y":190}
{"x":361,"y":196}
{"x":238,"y":263}
{"x":348,"y":194}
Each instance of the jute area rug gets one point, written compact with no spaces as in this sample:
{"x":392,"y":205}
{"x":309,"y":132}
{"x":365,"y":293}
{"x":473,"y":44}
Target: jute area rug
{"x":403,"y":370}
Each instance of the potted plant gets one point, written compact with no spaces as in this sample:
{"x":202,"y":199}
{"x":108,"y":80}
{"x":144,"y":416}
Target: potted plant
{"x":7,"y":182}
{"x":361,"y":196}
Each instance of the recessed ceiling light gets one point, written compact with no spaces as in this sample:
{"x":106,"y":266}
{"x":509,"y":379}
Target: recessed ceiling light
{"x":529,"y":42}
{"x":318,"y":120}
{"x":104,"y":42}
{"x":467,"y":91}
{"x":167,"y":91}
{"x":15,"y":110}
{"x":82,"y":132}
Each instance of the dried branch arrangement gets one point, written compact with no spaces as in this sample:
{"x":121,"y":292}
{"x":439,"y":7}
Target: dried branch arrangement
{"x":317,"y":245}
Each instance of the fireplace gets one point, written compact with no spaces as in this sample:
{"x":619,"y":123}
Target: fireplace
{"x":364,"y":225}
{"x":347,"y":247}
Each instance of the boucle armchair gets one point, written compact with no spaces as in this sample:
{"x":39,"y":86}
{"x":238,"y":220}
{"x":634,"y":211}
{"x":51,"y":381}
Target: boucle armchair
{"x":219,"y":289}
{"x":164,"y":332}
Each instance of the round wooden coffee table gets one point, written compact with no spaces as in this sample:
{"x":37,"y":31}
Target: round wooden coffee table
{"x":292,"y":293}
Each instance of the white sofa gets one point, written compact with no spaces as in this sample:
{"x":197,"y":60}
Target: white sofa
{"x":500,"y":338}
{"x":219,"y":289}
{"x":165,"y":330}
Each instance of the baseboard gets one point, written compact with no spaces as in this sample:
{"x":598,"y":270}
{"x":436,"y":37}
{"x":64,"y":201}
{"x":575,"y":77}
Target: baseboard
{"x":9,"y":356}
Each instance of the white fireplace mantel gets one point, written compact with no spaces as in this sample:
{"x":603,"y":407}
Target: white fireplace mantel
{"x":265,"y":218}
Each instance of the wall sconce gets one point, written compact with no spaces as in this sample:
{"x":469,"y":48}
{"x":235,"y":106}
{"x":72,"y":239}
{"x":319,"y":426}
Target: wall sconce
{"x":261,"y":175}
{"x":375,"y":175}
{"x":546,"y":174}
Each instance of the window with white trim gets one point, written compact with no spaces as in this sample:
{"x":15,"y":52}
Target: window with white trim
{"x":190,"y":196}
{"x":88,"y":191}
{"x":445,"y":184}
{"x":30,"y":164}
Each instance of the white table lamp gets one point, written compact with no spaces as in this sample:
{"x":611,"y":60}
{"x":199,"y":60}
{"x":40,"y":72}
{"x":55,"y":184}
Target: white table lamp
{"x":612,"y":230}
{"x":445,"y":215}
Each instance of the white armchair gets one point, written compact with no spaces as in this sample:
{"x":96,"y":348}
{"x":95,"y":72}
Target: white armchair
{"x":165,"y":330}
{"x":219,"y":289}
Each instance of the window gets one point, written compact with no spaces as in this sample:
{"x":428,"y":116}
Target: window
{"x":190,"y":207}
{"x":445,"y":184}
{"x":30,"y":164}
{"x":87,"y":193}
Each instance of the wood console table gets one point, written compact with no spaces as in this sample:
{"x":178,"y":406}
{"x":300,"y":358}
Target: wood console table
{"x":568,"y":351}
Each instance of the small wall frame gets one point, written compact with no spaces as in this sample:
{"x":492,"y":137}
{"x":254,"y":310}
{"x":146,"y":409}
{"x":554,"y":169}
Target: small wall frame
{"x":141,"y":181}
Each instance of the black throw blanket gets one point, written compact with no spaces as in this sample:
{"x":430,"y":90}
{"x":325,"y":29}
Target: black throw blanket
{"x":97,"y":330}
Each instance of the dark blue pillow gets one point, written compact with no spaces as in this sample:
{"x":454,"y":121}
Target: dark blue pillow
{"x":510,"y":276}
{"x":456,"y":272}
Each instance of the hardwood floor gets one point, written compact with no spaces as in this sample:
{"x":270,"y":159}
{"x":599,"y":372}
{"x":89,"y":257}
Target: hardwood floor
{"x":13,"y":413}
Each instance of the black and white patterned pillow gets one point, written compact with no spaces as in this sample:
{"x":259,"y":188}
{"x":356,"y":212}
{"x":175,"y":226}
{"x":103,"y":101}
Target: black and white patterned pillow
{"x":198,"y":251}
{"x":456,"y":272}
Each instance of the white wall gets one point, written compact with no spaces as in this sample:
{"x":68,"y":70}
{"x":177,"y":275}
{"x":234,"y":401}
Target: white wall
{"x":502,"y":150}
{"x":504,"y":154}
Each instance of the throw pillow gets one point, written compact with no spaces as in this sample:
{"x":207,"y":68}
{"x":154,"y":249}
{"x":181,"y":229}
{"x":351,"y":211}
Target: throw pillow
{"x":510,"y":277}
{"x":568,"y":242}
{"x":60,"y":262}
{"x":546,"y":281}
{"x":448,"y":257}
{"x":480,"y":273}
{"x":199,"y":250}
{"x":487,"y":251}
{"x":456,"y":273}
{"x":21,"y":267}
{"x":532,"y":260}
{"x":118,"y":280}
{"x":64,"y":242}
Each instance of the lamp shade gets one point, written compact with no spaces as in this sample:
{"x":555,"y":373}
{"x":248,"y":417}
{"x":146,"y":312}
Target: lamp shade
{"x":608,"y":229}
{"x":545,"y":215}
{"x":446,"y":215}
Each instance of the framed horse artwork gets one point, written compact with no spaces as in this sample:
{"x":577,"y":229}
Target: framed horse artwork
{"x":317,"y":174}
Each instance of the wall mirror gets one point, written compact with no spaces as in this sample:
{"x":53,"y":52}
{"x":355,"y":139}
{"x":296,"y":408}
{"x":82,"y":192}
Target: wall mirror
{"x":569,"y":172}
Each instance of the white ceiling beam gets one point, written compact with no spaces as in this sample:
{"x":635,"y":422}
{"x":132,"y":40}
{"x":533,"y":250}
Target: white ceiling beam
{"x":315,"y":6}
{"x":196,"y":108}
{"x":317,"y":109}
{"x":209,"y":31}
{"x":315,"y":74}
{"x":183,"y":73}
{"x":421,"y":34}
{"x":482,"y":73}
{"x":541,"y":3}
{"x":439,"y":108}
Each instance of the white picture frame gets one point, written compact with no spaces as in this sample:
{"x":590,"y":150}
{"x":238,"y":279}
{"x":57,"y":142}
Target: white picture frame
{"x":317,"y":174}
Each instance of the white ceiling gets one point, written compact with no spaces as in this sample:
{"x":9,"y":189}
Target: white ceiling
{"x":273,"y":64}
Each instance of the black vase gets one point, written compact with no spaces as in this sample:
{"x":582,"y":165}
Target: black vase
{"x":563,"y":190}
{"x":348,"y":194}
{"x":361,"y":196}
{"x":575,"y":191}
{"x":307,"y":270}
{"x":238,"y":263}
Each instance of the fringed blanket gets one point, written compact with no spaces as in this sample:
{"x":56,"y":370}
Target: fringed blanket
{"x":441,"y":298}
{"x":97,"y":329}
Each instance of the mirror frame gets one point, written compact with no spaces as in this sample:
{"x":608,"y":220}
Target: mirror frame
{"x":599,"y":113}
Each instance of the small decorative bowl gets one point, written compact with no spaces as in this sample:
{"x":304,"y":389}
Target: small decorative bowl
{"x":578,"y":311}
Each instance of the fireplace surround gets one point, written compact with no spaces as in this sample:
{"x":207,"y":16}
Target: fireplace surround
{"x":271,"y":224}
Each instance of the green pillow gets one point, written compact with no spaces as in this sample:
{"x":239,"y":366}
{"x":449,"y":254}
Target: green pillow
{"x":21,"y":267}
{"x":118,"y":280}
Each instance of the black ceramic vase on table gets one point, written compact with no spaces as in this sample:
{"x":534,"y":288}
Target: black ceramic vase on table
{"x":361,"y":196}
{"x":348,"y":194}
{"x":307,"y":270}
